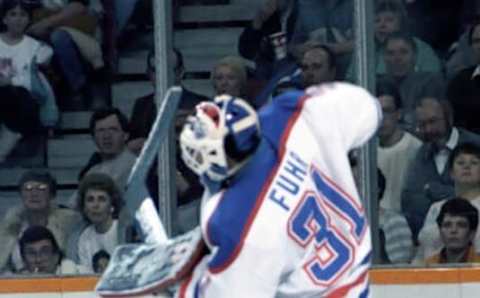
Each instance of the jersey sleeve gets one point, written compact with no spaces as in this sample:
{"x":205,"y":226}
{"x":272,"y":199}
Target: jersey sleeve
{"x":344,"y":112}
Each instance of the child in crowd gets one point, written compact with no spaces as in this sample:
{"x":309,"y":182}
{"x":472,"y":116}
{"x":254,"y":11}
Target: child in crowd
{"x":25,"y":91}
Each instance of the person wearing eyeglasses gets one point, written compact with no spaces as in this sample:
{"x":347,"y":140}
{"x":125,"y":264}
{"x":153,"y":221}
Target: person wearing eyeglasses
{"x":42,"y":255}
{"x":37,"y":196}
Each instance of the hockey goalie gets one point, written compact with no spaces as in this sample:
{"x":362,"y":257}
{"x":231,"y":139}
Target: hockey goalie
{"x":280,"y":216}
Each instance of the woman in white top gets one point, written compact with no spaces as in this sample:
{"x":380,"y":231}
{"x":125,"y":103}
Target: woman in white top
{"x":464,"y":165}
{"x":20,"y":56}
{"x":99,"y":201}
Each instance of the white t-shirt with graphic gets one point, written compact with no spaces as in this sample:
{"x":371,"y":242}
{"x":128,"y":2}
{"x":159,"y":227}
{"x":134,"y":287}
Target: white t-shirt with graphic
{"x":90,"y":242}
{"x":16,"y":60}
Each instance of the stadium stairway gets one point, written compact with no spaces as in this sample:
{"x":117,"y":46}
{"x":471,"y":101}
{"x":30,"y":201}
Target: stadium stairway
{"x":204,"y":34}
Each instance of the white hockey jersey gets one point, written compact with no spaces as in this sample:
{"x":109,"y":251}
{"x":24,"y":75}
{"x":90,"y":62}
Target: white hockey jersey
{"x":291,"y":223}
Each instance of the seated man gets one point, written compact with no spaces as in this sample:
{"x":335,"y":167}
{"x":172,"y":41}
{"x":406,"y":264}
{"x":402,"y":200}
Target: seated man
{"x":144,"y":114}
{"x":42,"y":255}
{"x":428,"y":179}
{"x":458,"y":222}
{"x":396,"y":147}
{"x":109,"y":128}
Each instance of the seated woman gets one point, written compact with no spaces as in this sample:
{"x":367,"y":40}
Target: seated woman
{"x":229,"y":76}
{"x":464,"y":165}
{"x":28,"y":101}
{"x":42,"y":255}
{"x":105,"y":226}
{"x":37,"y":191}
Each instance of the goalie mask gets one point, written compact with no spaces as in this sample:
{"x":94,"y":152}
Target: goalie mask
{"x":220,"y":137}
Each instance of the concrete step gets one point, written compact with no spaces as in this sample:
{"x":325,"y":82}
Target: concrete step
{"x":217,"y":13}
{"x":75,"y":120}
{"x":73,"y":152}
{"x":64,"y":176}
{"x":125,"y":93}
{"x":201,"y":48}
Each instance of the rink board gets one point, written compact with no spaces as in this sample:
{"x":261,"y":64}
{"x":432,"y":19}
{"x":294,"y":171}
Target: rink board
{"x":391,"y":283}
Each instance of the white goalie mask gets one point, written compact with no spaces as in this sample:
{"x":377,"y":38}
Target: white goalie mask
{"x":217,"y":140}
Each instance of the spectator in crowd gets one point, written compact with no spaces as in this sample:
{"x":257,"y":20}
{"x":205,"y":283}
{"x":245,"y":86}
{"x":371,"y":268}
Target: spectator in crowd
{"x":395,"y":235}
{"x":229,"y":76}
{"x":37,"y":191}
{"x":28,"y":100}
{"x":439,"y":23}
{"x":464,"y":89}
{"x":329,"y":22}
{"x":317,"y":65}
{"x":70,"y":26}
{"x":41,"y":254}
{"x":254,"y":42}
{"x":141,"y":121}
{"x":100,"y":261}
{"x":391,"y":17}
{"x":457,"y":222}
{"x":428,"y":178}
{"x":109,"y":128}
{"x":397,"y":147}
{"x":461,"y":55}
{"x":105,"y":226}
{"x":464,"y":168}
{"x":144,"y":110}
{"x":400,"y":53}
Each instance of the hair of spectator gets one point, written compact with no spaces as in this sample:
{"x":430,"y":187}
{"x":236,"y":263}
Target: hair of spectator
{"x":445,"y":105}
{"x":101,"y":254}
{"x":463,"y":148}
{"x":475,"y":24}
{"x":40,"y":176}
{"x":237,"y":65}
{"x":459,"y":207}
{"x":107,"y":112}
{"x":387,"y":87}
{"x":102,"y":182}
{"x":38,"y":233}
{"x":7,"y":5}
{"x":402,"y":35}
{"x":396,"y":7}
{"x":315,"y":44}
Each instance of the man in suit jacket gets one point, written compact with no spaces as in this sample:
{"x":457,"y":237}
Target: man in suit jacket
{"x":428,"y":177}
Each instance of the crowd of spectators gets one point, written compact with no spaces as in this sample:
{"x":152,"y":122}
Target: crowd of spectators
{"x":52,"y":51}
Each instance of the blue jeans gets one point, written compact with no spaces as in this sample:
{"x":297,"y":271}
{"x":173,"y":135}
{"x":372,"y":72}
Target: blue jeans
{"x":68,"y":58}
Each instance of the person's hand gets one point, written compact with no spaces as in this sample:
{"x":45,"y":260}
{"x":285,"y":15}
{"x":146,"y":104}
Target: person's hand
{"x":40,"y":30}
{"x":266,"y":11}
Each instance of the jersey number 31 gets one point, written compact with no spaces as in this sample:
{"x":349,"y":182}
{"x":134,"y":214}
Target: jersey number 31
{"x":312,"y":221}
